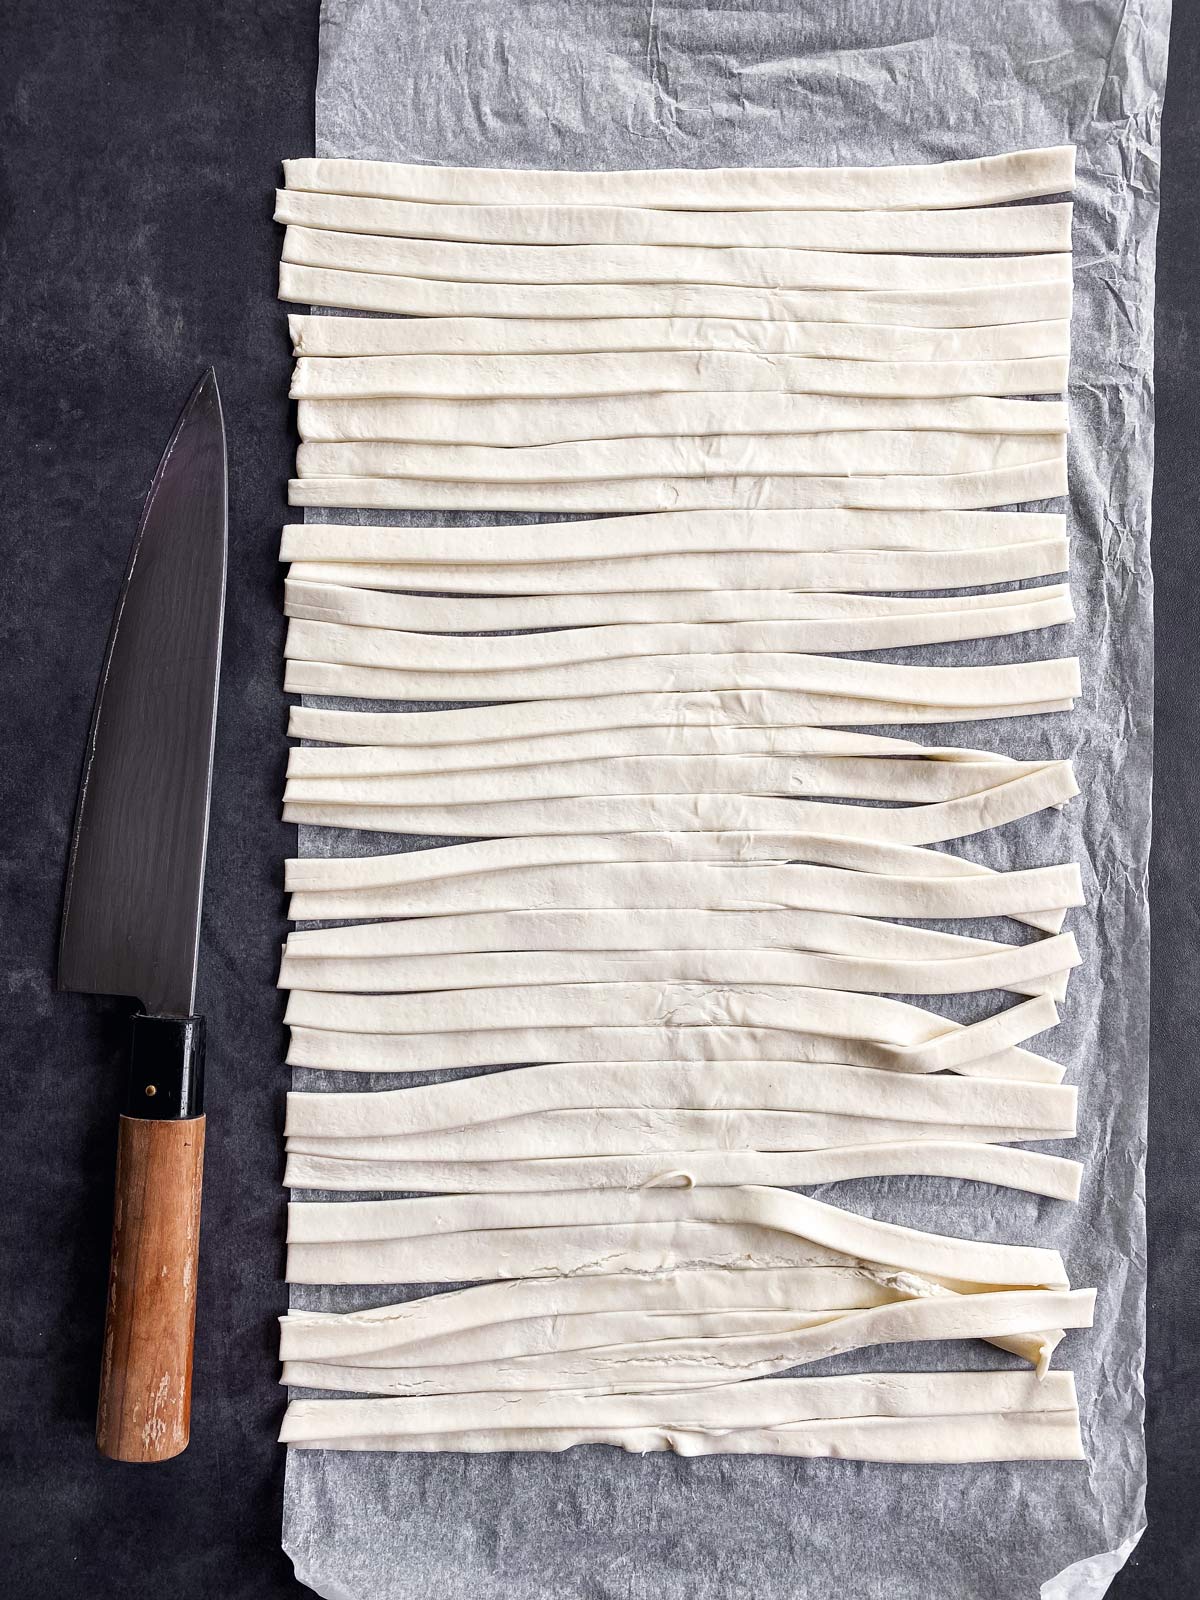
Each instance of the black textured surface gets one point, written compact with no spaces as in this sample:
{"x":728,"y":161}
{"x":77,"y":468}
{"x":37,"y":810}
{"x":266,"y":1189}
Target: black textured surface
{"x":139,"y":143}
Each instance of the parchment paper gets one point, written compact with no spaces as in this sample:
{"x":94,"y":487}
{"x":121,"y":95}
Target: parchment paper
{"x":635,"y":83}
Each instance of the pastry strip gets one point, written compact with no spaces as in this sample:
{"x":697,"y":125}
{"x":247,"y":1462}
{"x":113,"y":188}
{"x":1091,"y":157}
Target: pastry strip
{"x":594,"y":744}
{"x":514,"y":422}
{"x":682,"y":1085}
{"x":783,"y":455}
{"x":317,"y":643}
{"x":1048,"y":299}
{"x":851,"y":622}
{"x":632,"y":1351}
{"x":686,"y":885}
{"x":934,"y":823}
{"x":662,"y":264}
{"x":982,"y":180}
{"x":669,"y":533}
{"x":715,"y":372}
{"x":1009,"y":486}
{"x":1014,"y":230}
{"x":389,"y":336}
{"x":453,"y":1238}
{"x":1036,"y":968}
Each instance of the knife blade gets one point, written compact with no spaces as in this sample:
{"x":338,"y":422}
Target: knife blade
{"x":131,"y":918}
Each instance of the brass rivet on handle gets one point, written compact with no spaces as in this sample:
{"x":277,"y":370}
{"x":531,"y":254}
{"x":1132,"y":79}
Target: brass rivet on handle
{"x":151,"y":1090}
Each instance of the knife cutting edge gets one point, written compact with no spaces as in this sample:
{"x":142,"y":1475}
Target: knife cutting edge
{"x":131,"y":920}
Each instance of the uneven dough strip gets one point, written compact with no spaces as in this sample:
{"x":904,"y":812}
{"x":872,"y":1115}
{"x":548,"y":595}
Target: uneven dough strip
{"x":883,"y":778}
{"x":500,"y":1318}
{"x":1048,"y":1176}
{"x":573,"y":264}
{"x":852,"y":622}
{"x":553,"y":719}
{"x":824,"y":932}
{"x":688,"y":885}
{"x":498,"y":1236}
{"x":1014,"y":230}
{"x":849,"y":1017}
{"x":782,"y":455}
{"x":982,"y":180}
{"x":669,"y":588}
{"x":360,"y":607}
{"x":592,"y":744}
{"x":716,"y":372}
{"x":990,"y":1048}
{"x":330,"y":1050}
{"x":493,"y":1423}
{"x":317,"y":643}
{"x":662,"y":1134}
{"x":391,"y":336}
{"x":683,"y":1085}
{"x":1010,"y":486}
{"x":515,"y":422}
{"x":991,"y":306}
{"x":934,"y":823}
{"x":670,"y":533}
{"x":396,"y":885}
{"x":1041,"y":967}
{"x":373,"y":1336}
{"x":616,"y":1352}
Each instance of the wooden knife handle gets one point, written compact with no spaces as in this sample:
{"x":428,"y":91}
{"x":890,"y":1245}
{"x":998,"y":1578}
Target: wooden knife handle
{"x":146,"y":1374}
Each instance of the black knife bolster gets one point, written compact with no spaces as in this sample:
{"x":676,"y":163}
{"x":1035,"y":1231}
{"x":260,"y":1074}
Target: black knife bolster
{"x":166,"y":1068}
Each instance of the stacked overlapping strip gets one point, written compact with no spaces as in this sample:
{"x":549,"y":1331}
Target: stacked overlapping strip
{"x":694,"y":882}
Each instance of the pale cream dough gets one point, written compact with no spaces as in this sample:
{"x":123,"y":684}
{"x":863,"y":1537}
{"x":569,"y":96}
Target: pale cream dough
{"x":390,"y":336}
{"x":993,"y":305}
{"x":850,"y":622}
{"x":893,"y":1417}
{"x":327,"y":643}
{"x":1008,"y":486}
{"x":745,"y":267}
{"x":622,"y":1350}
{"x":536,"y":1091}
{"x":472,"y":1322}
{"x":335,"y":602}
{"x":395,"y":885}
{"x":824,"y":932}
{"x":1049,"y":1176}
{"x":690,"y":456}
{"x":666,"y":588}
{"x":847,"y":1017}
{"x":663,"y":1134}
{"x":806,"y":778}
{"x":330,"y":1050}
{"x":686,"y":885}
{"x":671,"y":533}
{"x":1040,"y":967}
{"x":716,"y":372}
{"x":990,"y":1048}
{"x":456,"y":1238}
{"x":982,"y":180}
{"x":514,"y":422}
{"x":1013,"y":230}
{"x":933,"y":823}
{"x":588,"y":744}
{"x":554,"y":719}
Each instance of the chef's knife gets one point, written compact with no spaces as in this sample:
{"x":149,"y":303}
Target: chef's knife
{"x":131,"y":920}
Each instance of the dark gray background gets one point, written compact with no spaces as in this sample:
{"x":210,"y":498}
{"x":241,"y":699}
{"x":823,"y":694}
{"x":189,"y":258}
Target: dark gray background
{"x":139,"y":142}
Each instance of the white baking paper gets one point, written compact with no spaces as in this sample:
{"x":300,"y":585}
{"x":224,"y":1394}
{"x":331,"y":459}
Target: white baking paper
{"x":635,"y":83}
